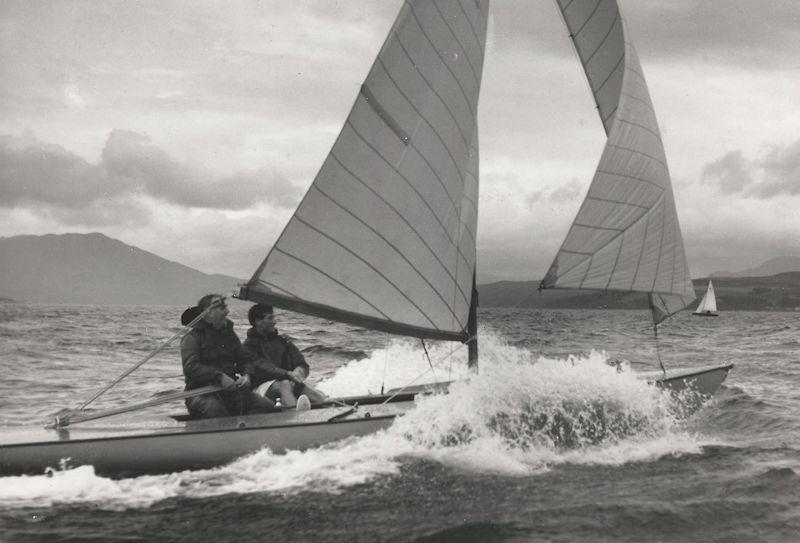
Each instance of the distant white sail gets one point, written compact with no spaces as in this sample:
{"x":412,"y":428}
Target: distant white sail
{"x":709,"y":302}
{"x":385,"y":236}
{"x":626,"y":235}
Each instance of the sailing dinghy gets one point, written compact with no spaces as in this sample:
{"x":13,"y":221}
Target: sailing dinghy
{"x":385,"y":236}
{"x":708,"y":305}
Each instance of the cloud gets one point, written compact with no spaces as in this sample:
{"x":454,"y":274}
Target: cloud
{"x":781,"y":170}
{"x":36,"y":173}
{"x":774,"y":174}
{"x":733,"y":32}
{"x":571,"y":191}
{"x":732,"y":172}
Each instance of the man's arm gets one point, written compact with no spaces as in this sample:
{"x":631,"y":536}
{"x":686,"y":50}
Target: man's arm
{"x":260,"y":369}
{"x":193,"y":368}
{"x":296,"y":357}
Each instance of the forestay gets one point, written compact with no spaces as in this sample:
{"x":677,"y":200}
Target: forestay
{"x":626,"y":235}
{"x":385,"y":236}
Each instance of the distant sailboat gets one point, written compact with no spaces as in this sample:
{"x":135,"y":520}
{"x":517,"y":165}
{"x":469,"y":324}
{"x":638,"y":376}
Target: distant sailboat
{"x":708,"y":305}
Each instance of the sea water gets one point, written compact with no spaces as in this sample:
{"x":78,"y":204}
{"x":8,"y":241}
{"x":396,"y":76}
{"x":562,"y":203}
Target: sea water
{"x":556,"y":439}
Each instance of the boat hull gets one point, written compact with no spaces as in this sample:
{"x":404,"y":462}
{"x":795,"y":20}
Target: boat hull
{"x":705,"y":380}
{"x":706,"y":314}
{"x":190,"y":446}
{"x":202,"y":444}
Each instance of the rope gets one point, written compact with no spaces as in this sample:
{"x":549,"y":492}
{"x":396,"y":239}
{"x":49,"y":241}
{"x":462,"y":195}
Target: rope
{"x":60,"y":421}
{"x":425,"y":348}
{"x":658,"y":350}
{"x":404,"y":387}
{"x":160,"y":348}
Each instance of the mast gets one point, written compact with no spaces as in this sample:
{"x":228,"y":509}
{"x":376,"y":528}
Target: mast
{"x":472,"y":330}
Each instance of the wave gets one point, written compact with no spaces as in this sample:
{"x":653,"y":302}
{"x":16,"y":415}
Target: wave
{"x":346,"y":354}
{"x":521,"y":416}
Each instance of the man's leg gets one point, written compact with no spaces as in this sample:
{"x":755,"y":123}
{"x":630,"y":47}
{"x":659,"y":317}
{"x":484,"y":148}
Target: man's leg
{"x":206,"y":407}
{"x":255,"y":403}
{"x":313,"y":395}
{"x":283,"y":389}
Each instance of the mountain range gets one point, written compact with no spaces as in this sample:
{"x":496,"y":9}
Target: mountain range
{"x":95,"y":269}
{"x":772,"y":266}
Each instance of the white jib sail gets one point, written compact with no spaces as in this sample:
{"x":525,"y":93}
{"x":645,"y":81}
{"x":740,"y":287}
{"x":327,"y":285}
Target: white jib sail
{"x":626,"y":235}
{"x":385,"y":236}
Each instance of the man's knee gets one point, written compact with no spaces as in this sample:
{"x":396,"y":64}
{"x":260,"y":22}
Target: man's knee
{"x":206,"y":407}
{"x":260,"y":404}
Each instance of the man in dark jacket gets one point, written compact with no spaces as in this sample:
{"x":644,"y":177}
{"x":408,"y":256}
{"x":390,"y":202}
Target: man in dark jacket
{"x":279,"y":360}
{"x":212,"y":354}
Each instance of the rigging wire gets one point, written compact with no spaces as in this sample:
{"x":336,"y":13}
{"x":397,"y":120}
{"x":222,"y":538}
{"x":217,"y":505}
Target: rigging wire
{"x":428,"y":356}
{"x":185,"y":330}
{"x":385,"y":361}
{"x":412,"y":381}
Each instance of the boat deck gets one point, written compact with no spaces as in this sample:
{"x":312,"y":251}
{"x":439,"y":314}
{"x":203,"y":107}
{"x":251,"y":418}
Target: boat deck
{"x":167,"y":445}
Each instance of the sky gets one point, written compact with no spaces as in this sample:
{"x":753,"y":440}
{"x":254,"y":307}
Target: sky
{"x":192,"y":130}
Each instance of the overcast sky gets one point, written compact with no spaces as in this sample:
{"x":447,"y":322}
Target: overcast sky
{"x":192,"y":129}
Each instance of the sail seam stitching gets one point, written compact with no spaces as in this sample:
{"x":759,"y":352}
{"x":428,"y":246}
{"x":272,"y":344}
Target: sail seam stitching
{"x":275,"y":286}
{"x":605,"y":38}
{"x":471,"y":25}
{"x":457,"y":81}
{"x":402,"y":218}
{"x":590,"y":197}
{"x":643,"y":215}
{"x":651,"y":157}
{"x":616,"y":259}
{"x":438,"y":135}
{"x":660,"y":246}
{"x":589,"y":18}
{"x":410,"y":185}
{"x":388,"y":243}
{"x":641,"y":249}
{"x":315,"y":268}
{"x":643,"y":127}
{"x":592,"y":227}
{"x":461,"y":45}
{"x":608,"y":77}
{"x":632,"y":177}
{"x":377,"y":272}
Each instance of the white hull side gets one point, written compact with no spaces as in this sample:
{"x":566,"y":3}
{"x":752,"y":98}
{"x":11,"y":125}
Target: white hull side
{"x":193,"y":445}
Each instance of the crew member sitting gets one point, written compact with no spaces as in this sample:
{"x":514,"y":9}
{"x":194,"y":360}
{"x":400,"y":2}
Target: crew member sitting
{"x":212,"y":354}
{"x":279,"y":358}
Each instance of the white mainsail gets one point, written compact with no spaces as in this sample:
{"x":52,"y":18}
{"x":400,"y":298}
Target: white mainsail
{"x":709,"y":302}
{"x":385,"y":236}
{"x":626,"y":235}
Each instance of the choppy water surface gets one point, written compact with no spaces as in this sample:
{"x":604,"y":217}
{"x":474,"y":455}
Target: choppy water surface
{"x":479,"y":464}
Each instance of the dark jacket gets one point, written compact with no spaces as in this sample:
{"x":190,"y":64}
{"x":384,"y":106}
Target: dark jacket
{"x":276,"y":355}
{"x":207,"y":353}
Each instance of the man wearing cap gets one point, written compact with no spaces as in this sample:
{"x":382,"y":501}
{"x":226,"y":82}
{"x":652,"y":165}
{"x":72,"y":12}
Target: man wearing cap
{"x":212,"y":354}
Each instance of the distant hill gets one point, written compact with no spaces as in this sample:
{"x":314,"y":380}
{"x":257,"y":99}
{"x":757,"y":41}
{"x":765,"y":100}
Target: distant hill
{"x":773,"y":266}
{"x":95,"y":269}
{"x":778,"y":292}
